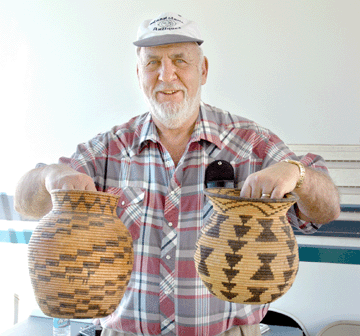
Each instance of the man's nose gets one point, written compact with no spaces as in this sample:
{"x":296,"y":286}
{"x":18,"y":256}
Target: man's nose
{"x":167,"y":71}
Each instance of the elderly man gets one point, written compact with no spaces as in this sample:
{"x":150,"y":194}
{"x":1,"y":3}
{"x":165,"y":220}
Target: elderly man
{"x":156,"y":162}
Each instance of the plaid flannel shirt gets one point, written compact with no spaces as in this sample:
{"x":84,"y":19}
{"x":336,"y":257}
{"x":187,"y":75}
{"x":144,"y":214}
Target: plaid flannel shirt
{"x":164,"y":208}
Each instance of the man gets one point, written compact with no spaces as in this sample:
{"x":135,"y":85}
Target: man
{"x":156,"y":163}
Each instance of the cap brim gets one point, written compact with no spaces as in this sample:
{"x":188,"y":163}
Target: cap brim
{"x":165,"y":39}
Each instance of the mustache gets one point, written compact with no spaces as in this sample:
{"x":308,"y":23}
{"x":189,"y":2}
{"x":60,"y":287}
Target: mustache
{"x":169,"y":87}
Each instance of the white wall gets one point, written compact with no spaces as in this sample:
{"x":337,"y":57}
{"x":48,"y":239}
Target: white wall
{"x":323,"y":293}
{"x":67,"y":70}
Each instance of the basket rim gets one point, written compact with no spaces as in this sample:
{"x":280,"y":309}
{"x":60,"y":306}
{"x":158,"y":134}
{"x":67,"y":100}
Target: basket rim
{"x":81,"y":191}
{"x":290,"y":197}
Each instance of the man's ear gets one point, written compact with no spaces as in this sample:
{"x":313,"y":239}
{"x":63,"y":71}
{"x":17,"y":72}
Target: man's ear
{"x":204,"y":70}
{"x":137,"y":74}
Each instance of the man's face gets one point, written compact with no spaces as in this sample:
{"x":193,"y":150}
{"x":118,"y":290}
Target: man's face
{"x":171,"y":77}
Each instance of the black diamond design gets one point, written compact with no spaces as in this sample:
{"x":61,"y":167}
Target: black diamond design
{"x":256,"y":292}
{"x":267,"y":235}
{"x":264,"y":272}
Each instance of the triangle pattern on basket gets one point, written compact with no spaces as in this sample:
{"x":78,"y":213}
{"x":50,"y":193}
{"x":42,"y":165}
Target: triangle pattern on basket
{"x":256,"y":292}
{"x":266,"y":235}
{"x":205,"y":251}
{"x":214,"y":231}
{"x":264,"y":272}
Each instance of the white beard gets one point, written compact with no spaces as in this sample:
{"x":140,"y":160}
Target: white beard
{"x":174,"y":115}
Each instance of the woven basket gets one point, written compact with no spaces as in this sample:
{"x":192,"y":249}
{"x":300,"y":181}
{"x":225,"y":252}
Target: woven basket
{"x":247,"y":252}
{"x":80,"y":256}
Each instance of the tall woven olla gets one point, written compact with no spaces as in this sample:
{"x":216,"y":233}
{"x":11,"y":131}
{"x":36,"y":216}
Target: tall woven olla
{"x":80,"y":256}
{"x":247,"y":252}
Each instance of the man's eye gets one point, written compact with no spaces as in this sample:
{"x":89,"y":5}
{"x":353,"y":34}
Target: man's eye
{"x":180,"y":61}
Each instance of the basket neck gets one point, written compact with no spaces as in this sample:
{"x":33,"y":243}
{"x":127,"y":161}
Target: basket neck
{"x":84,"y":201}
{"x":247,"y":207}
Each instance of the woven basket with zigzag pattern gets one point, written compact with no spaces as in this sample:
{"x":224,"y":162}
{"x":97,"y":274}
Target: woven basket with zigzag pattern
{"x":80,"y":256}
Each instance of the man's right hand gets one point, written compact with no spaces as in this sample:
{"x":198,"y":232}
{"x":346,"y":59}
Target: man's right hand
{"x":32,"y":194}
{"x":63,"y":177}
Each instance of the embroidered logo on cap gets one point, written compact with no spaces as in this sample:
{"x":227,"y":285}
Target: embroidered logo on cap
{"x":165,"y":23}
{"x":167,"y":28}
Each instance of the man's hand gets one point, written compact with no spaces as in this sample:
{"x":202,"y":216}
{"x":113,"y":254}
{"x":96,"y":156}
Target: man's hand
{"x":64,"y":177}
{"x":318,"y":196}
{"x":32,"y":194}
{"x":274,"y":181}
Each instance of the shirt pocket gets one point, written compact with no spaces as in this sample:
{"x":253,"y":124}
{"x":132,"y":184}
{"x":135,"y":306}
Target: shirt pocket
{"x":130,"y":209}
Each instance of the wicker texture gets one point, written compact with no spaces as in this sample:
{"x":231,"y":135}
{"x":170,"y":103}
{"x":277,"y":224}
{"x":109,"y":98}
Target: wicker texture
{"x":80,"y":256}
{"x":247,"y":252}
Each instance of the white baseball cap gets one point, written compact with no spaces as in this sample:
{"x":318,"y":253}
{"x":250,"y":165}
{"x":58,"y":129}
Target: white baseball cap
{"x":167,"y":28}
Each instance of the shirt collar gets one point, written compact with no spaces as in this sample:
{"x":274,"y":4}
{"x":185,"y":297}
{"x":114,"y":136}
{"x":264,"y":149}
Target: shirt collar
{"x":206,"y":128}
{"x":146,"y":131}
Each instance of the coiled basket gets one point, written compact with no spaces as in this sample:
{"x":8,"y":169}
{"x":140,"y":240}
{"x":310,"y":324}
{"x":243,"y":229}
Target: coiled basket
{"x":247,"y":252}
{"x":80,"y":256}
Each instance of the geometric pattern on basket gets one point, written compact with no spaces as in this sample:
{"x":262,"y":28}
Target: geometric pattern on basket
{"x":234,"y":258}
{"x":82,"y":203}
{"x":267,"y":210}
{"x":247,"y":252}
{"x":204,"y":254}
{"x":267,"y":235}
{"x":80,"y":263}
{"x":264,"y":272}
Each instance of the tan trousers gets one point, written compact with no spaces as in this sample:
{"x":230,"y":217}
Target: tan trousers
{"x":246,"y":330}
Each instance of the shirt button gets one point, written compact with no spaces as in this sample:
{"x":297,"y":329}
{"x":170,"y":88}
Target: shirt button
{"x":123,"y":203}
{"x":170,"y":224}
{"x":168,"y":257}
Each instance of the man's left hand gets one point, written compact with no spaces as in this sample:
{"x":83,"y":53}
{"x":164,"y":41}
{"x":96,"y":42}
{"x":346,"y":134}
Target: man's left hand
{"x":272,"y":182}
